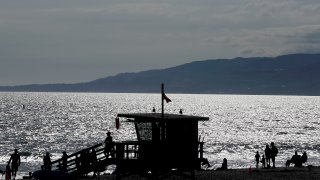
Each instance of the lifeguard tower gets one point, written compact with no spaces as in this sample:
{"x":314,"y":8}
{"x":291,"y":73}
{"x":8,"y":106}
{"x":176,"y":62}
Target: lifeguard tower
{"x":165,"y":142}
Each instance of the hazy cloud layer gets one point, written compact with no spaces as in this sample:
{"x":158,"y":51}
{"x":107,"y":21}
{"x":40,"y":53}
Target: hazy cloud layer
{"x":44,"y":41}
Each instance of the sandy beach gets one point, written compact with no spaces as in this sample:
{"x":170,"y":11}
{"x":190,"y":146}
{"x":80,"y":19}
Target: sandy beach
{"x":291,"y":173}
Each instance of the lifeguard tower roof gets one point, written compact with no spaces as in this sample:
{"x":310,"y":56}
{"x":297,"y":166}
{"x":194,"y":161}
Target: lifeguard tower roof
{"x":157,"y":117}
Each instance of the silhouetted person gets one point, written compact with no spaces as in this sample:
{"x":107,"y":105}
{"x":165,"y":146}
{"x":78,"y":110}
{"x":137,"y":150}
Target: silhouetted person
{"x":257,"y":156}
{"x":295,"y":159}
{"x":180,"y":112}
{"x":108,"y":148}
{"x":15,"y":162}
{"x":263,"y":161}
{"x":304,"y":157}
{"x":267,"y":152}
{"x":47,"y":162}
{"x":64,"y":161}
{"x":205,"y":162}
{"x":153,"y":110}
{"x":224,"y":165}
{"x":274,"y":153}
{"x":288,"y":163}
{"x":8,"y":172}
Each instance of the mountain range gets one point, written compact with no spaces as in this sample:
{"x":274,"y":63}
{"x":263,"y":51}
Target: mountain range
{"x":295,"y":74}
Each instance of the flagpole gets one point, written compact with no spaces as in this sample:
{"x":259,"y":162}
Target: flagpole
{"x":163,"y":131}
{"x":162,"y":99}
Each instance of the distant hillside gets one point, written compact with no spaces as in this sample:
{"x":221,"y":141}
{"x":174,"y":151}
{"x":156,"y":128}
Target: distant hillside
{"x":297,"y":74}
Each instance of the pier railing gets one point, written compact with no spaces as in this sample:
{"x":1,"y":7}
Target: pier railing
{"x":93,"y":159}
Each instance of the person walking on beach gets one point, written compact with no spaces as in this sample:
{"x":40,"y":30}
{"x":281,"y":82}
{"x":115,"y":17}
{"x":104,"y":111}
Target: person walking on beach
{"x":257,"y":156}
{"x":267,"y":152}
{"x":15,"y":162}
{"x":274,"y":153}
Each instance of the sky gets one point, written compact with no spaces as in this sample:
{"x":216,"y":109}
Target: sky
{"x":71,"y":41}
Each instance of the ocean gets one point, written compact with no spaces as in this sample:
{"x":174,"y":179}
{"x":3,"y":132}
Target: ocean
{"x":239,"y":125}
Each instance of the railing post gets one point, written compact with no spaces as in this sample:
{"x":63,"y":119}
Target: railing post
{"x":127,"y":151}
{"x":119,"y":151}
{"x":201,"y":150}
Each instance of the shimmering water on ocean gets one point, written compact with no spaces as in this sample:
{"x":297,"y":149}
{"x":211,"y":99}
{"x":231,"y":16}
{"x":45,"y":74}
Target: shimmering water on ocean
{"x":239,"y":125}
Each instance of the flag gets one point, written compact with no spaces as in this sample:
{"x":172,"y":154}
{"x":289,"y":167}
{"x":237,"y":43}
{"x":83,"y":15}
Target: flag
{"x":165,"y":97}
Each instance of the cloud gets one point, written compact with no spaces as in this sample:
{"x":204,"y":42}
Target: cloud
{"x":117,"y":36}
{"x":278,"y":41}
{"x":109,"y":8}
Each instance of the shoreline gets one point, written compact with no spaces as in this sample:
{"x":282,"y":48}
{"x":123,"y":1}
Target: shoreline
{"x":292,"y":173}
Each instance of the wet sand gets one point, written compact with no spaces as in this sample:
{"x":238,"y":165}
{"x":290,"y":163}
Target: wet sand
{"x":291,"y":173}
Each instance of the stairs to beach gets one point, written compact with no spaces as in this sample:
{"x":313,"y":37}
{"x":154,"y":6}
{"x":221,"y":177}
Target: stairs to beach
{"x":91,"y":159}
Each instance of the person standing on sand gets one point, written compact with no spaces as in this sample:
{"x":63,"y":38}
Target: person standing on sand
{"x":274,"y":153}
{"x":263,"y":161}
{"x":267,"y":152}
{"x":15,"y":162}
{"x":257,"y":156}
{"x":47,"y":162}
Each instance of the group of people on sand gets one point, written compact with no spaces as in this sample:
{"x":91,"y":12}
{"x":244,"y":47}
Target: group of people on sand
{"x":270,"y":153}
{"x":297,"y":160}
{"x":11,"y":171}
